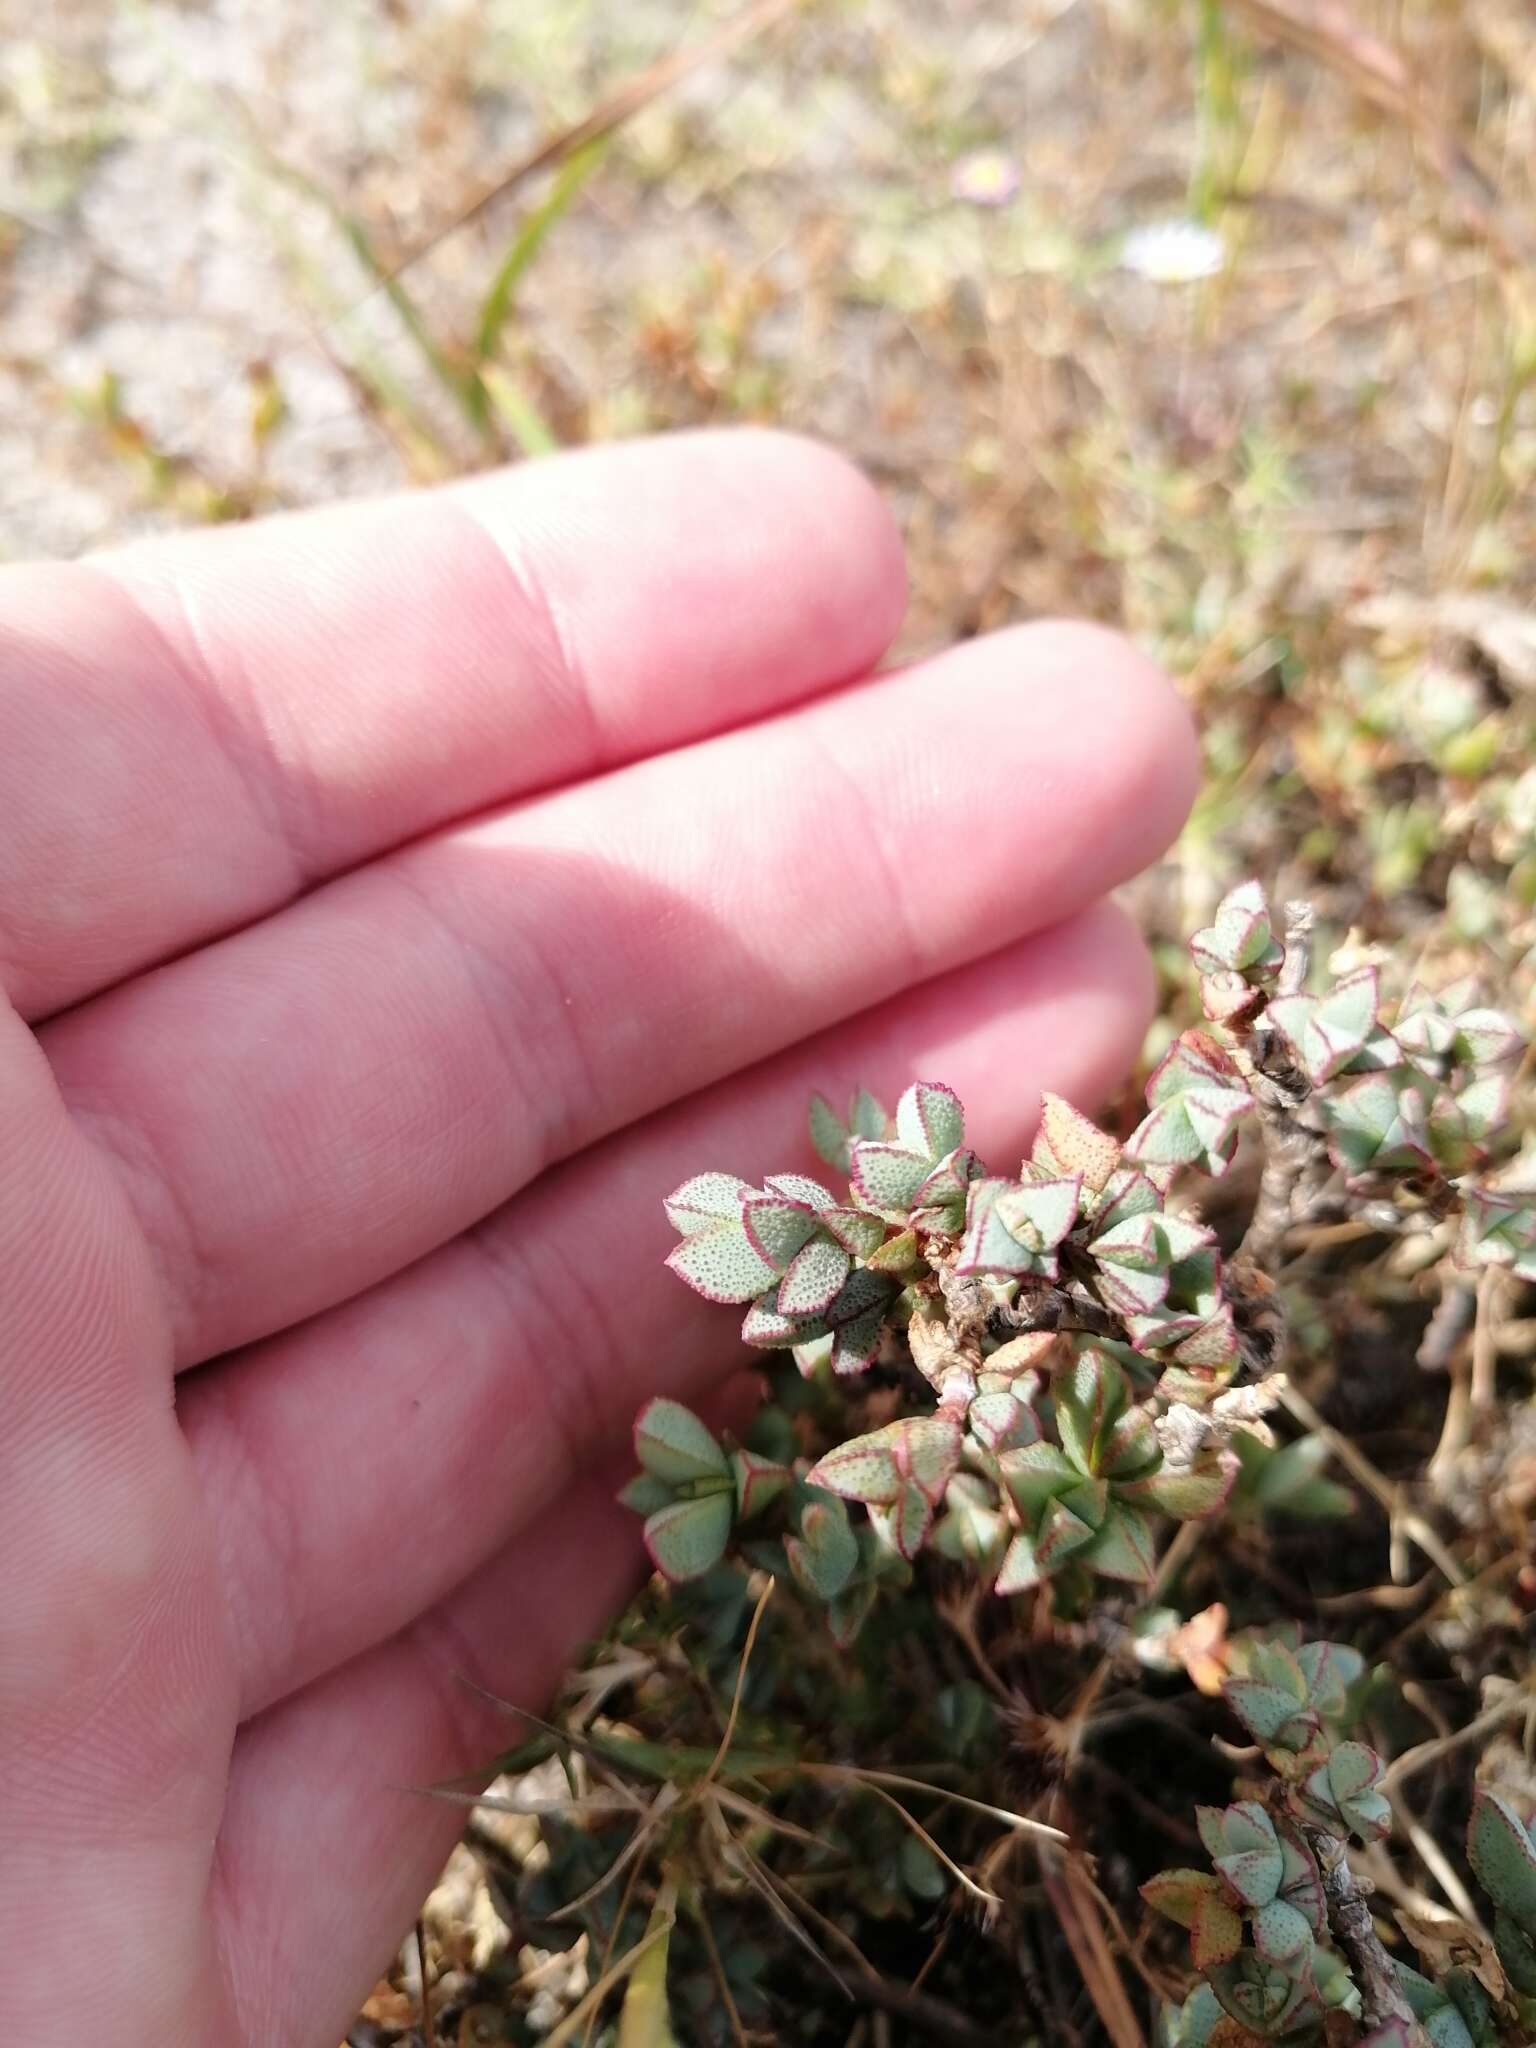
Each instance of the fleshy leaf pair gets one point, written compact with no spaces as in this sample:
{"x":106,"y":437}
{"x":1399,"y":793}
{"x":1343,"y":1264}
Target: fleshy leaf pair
{"x":1499,"y":1224}
{"x":790,"y":1235}
{"x":1084,"y":1500}
{"x":1454,"y":2013}
{"x":1326,"y":1032}
{"x":1285,"y":1696}
{"x":892,"y":1175}
{"x":899,"y":1473}
{"x":1240,"y":938}
{"x":1198,"y":1100}
{"x":832,"y":1135}
{"x":1273,"y":1874}
{"x":851,"y":1324}
{"x":691,"y":1491}
{"x":1013,"y":1228}
{"x":1341,"y":1793}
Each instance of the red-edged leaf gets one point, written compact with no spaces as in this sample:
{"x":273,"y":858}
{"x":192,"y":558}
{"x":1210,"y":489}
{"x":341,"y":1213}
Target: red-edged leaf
{"x":672,"y":1444}
{"x":721,"y":1264}
{"x":813,"y":1278}
{"x":1216,"y":1934}
{"x":930,"y":1119}
{"x":707,"y":1198}
{"x":885,"y":1176}
{"x":777,"y":1227}
{"x":1070,"y":1144}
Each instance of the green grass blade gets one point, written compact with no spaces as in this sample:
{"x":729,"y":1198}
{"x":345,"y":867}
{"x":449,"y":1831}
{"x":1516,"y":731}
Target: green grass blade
{"x":526,"y":244}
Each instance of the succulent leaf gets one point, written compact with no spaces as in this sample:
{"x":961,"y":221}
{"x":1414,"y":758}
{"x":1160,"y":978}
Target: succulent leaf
{"x":1180,"y":1894}
{"x":1123,"y":1546}
{"x":707,"y":1198}
{"x":813,"y":1278}
{"x":1000,"y":1421}
{"x":1280,"y":1933}
{"x":1187,"y":1493}
{"x":930,"y":1120}
{"x":1013,"y":1228}
{"x":904,"y":1522}
{"x":1240,"y":938}
{"x":1377,"y":1123}
{"x":644,"y":1494}
{"x":1341,"y":1793}
{"x":777,"y":1227}
{"x":1198,"y":1099}
{"x":921,"y":1450}
{"x":829,"y":1134}
{"x":825,"y":1553}
{"x":722,"y":1264}
{"x":1070,"y":1144}
{"x":859,"y":1234}
{"x":758,"y":1481}
{"x":1259,"y":1994}
{"x":674,"y":1446}
{"x":1502,"y":1853}
{"x":885,"y":1176}
{"x":1326,"y":1032}
{"x":687,"y":1537}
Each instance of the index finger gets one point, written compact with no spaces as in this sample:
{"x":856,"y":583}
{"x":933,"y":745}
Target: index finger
{"x":198,"y":729}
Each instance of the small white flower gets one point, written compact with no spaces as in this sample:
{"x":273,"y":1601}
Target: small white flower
{"x":985,"y":178}
{"x":1173,"y":252}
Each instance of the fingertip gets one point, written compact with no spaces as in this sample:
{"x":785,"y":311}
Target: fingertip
{"x":1118,"y":696}
{"x":835,"y":514}
{"x":1073,"y":753}
{"x":735,"y":570}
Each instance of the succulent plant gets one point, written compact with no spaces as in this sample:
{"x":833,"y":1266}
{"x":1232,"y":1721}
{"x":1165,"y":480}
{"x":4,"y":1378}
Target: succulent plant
{"x":1499,"y":1224}
{"x":1198,"y":1100}
{"x":1272,"y":1858}
{"x":899,"y":1473}
{"x":1502,"y":1852}
{"x":1340,"y":1793}
{"x":1052,"y":1364}
{"x":1262,"y":1873}
{"x":1288,"y":1696}
{"x":1455,"y":2012}
{"x":1085,"y":1499}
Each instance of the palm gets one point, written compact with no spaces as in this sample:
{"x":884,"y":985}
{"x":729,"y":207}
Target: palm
{"x":401,"y":904}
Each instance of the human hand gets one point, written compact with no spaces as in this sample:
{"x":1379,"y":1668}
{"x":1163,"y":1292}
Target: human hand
{"x":402,"y":899}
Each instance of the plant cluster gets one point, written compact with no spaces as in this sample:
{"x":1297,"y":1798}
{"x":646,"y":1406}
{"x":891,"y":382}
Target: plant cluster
{"x":1279,"y":1930}
{"x":1055,"y":1365}
{"x":1073,"y":1362}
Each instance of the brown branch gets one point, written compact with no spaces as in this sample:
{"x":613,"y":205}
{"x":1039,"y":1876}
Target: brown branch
{"x":1349,"y":1919}
{"x":1293,"y":1157}
{"x":1448,"y":1327}
{"x":1061,"y":1308}
{"x":1296,"y":1163}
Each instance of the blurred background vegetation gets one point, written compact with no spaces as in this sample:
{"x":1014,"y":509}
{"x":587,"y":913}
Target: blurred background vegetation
{"x":1215,"y":321}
